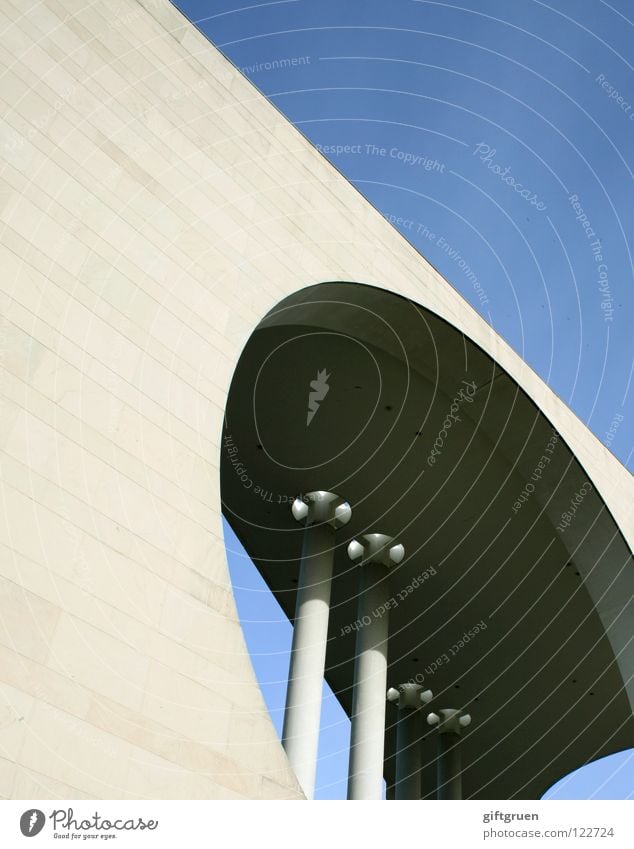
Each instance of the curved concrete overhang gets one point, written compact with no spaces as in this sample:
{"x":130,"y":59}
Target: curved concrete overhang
{"x":507,"y":536}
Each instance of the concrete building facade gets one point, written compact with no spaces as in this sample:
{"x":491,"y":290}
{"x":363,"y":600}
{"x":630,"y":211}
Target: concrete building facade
{"x":154,"y":207}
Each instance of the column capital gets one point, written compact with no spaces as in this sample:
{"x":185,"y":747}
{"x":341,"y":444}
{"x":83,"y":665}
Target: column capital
{"x":409,"y":696}
{"x":376,"y":548}
{"x":321,"y":507}
{"x":449,"y":720}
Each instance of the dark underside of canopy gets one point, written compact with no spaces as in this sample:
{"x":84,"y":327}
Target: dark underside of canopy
{"x":540,"y":678}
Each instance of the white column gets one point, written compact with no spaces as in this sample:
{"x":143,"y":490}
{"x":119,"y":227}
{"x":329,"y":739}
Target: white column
{"x":450,"y":723}
{"x":376,"y":553}
{"x":321,"y":512}
{"x":409,"y":698}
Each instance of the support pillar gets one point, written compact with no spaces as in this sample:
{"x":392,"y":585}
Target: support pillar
{"x":376,"y":553}
{"x":409,"y":698}
{"x":449,"y":763}
{"x":321,"y":513}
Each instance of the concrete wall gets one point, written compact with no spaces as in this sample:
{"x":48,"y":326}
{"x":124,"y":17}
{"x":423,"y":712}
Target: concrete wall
{"x":153,"y":207}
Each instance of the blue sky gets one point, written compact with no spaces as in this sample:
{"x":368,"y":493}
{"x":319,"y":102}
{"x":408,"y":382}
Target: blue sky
{"x":497,"y":136}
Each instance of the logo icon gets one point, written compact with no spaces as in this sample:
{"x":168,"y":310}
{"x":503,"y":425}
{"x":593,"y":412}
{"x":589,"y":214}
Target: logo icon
{"x":320,"y":390}
{"x":32,"y":822}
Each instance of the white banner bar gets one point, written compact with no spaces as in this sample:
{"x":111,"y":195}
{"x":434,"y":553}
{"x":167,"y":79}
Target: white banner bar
{"x":188,"y":825}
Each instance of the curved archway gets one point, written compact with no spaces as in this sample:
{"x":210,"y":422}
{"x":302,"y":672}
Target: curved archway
{"x":525,"y":614}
